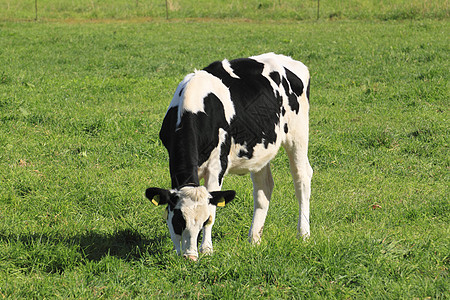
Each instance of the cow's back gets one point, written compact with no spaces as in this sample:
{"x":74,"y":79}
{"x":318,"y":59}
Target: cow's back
{"x":241,"y":109}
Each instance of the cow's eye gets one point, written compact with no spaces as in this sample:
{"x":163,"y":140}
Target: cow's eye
{"x":178,"y":222}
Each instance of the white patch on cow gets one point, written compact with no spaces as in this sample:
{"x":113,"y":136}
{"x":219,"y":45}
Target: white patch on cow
{"x":277,"y":62}
{"x":261,"y":155}
{"x":227,"y":67}
{"x":191,"y":196}
{"x":180,"y":89}
{"x":271,"y":64}
{"x":199,"y":85}
{"x":194,"y":205}
{"x":212,"y":166}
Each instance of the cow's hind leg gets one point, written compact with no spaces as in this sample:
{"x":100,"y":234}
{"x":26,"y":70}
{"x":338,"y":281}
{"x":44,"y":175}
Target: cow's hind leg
{"x":262,"y":190}
{"x":301,"y":173}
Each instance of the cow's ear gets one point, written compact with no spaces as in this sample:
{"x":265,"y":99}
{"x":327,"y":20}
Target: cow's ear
{"x":158,"y":196}
{"x":221,"y":198}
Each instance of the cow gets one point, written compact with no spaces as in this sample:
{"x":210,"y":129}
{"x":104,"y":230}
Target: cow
{"x":232,"y":117}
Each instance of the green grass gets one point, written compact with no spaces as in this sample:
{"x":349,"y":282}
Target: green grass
{"x":248,"y":9}
{"x":80,"y":110}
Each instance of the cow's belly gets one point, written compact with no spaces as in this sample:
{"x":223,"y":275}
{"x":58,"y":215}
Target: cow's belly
{"x":261,"y":157}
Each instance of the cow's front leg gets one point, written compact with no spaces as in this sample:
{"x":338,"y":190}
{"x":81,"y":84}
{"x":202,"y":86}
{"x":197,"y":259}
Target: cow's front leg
{"x":262,"y":191}
{"x":213,"y":182}
{"x":207,"y":246}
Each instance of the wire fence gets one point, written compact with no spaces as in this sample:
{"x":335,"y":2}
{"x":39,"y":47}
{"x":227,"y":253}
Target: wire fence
{"x":222,"y":9}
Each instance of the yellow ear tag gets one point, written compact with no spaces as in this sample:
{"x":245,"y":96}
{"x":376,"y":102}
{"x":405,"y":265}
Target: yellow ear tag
{"x":155,"y":200}
{"x":221,"y":202}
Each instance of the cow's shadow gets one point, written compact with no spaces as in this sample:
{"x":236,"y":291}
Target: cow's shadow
{"x":125,"y":244}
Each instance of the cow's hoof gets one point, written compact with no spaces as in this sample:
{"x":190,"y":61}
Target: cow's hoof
{"x":206,"y":251}
{"x":191,"y":257}
{"x":304,"y":236}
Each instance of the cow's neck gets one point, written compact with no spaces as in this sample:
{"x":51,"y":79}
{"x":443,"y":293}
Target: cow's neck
{"x":181,"y":143}
{"x":186,"y":177}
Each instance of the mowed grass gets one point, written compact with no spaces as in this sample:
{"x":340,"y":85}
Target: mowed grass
{"x":80,"y":111}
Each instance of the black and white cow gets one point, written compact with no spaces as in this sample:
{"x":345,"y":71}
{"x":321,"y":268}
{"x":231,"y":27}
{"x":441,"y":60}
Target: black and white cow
{"x":232,"y":117}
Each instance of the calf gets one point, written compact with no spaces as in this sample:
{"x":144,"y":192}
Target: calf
{"x":232,"y":117}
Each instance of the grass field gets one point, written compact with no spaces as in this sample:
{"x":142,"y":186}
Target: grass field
{"x":243,"y":9}
{"x":80,"y":109}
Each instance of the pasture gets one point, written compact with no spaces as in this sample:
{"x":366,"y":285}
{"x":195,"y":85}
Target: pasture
{"x":237,"y":9}
{"x":81,"y":105}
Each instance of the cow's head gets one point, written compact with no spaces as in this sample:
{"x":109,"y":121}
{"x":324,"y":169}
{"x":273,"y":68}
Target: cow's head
{"x":189,"y":209}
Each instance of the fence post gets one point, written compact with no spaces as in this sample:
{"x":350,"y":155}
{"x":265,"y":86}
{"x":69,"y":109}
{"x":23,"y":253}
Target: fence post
{"x":318,"y":9}
{"x":167,"y":11}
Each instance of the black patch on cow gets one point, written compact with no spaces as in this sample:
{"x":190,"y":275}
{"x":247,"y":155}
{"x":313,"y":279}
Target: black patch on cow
{"x":275,"y":77}
{"x":209,"y":124}
{"x":224,"y":151}
{"x":190,"y":144}
{"x":307,"y":89}
{"x":243,"y":153}
{"x":257,"y":108}
{"x":285,"y":128}
{"x":181,"y":92}
{"x":178,"y":222}
{"x":182,"y":148}
{"x":283,"y":111}
{"x":246,"y":68}
{"x":294,"y":89}
{"x":173,"y":201}
{"x":293,"y":103}
{"x":295,"y":82}
{"x":292,"y":98}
